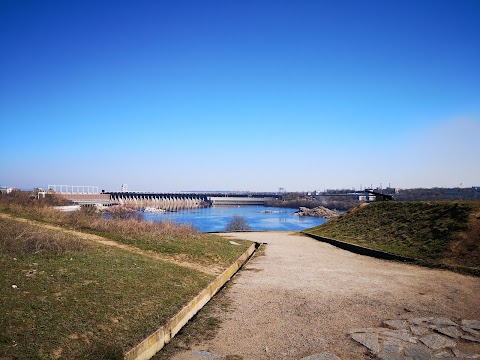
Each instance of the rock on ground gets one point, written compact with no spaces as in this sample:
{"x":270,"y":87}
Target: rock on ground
{"x":319,"y":212}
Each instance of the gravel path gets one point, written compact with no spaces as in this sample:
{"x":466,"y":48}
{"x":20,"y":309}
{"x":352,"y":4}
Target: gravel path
{"x":304,"y":297}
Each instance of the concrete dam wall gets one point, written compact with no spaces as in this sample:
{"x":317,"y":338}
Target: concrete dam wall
{"x":171,"y":202}
{"x":168,"y":203}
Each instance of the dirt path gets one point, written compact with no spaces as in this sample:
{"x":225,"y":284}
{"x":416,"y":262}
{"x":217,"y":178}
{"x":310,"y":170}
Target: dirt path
{"x":108,"y":242}
{"x":303,"y":297}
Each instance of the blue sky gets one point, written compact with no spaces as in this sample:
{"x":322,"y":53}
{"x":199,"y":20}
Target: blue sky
{"x":239,"y":95}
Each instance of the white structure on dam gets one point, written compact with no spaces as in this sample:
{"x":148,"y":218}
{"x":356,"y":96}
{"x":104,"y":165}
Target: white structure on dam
{"x":218,"y":200}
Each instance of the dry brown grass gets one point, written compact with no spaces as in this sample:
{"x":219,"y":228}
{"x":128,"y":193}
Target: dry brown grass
{"x":17,"y":238}
{"x":120,"y":221}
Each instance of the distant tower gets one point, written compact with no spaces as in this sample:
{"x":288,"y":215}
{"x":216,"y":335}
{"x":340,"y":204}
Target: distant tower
{"x":124,"y":187}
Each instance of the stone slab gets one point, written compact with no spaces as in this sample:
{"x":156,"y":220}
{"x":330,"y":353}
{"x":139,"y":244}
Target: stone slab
{"x":369,"y":340}
{"x":470,"y":331}
{"x":443,"y":321}
{"x":401,"y":335}
{"x":450,"y":331}
{"x":470,"y":338}
{"x":419,"y":330}
{"x":472,"y":324}
{"x":437,"y":342}
{"x":391,"y":348}
{"x":418,"y":352}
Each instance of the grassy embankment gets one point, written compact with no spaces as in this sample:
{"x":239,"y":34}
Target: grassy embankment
{"x":125,"y":227}
{"x":62,"y":296}
{"x":435,"y":232}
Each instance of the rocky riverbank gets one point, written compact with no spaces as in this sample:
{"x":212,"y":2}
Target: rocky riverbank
{"x":319,"y":212}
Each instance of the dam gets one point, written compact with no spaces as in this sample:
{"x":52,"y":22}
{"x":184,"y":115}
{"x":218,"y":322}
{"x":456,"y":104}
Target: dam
{"x":188,"y":200}
{"x":90,"y":196}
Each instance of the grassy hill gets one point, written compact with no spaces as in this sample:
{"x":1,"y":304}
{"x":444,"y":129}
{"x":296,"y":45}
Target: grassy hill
{"x":64,"y":293}
{"x":439,"y":232}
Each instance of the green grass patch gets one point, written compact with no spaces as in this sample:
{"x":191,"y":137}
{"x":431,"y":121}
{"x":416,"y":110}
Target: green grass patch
{"x":432,"y":231}
{"x":83,"y":300}
{"x":205,"y":249}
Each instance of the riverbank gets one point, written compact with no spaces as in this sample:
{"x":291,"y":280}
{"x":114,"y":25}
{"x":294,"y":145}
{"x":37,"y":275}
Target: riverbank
{"x":328,"y":202}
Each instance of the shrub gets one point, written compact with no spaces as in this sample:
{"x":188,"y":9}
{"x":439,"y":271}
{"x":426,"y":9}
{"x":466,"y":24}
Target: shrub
{"x":122,"y":222}
{"x":124,"y":213}
{"x":238,"y":223}
{"x":30,"y":198}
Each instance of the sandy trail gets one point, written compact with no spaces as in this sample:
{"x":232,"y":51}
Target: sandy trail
{"x":303,"y":297}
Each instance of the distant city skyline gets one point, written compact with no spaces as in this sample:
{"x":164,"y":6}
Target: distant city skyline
{"x":250,"y":95}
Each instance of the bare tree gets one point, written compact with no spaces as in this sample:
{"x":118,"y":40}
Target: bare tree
{"x":237,"y":223}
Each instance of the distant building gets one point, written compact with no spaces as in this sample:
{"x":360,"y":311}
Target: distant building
{"x":5,"y":190}
{"x":378,"y":196}
{"x":40,"y":193}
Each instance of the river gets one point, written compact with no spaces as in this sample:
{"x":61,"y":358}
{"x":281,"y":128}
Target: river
{"x":259,"y":218}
